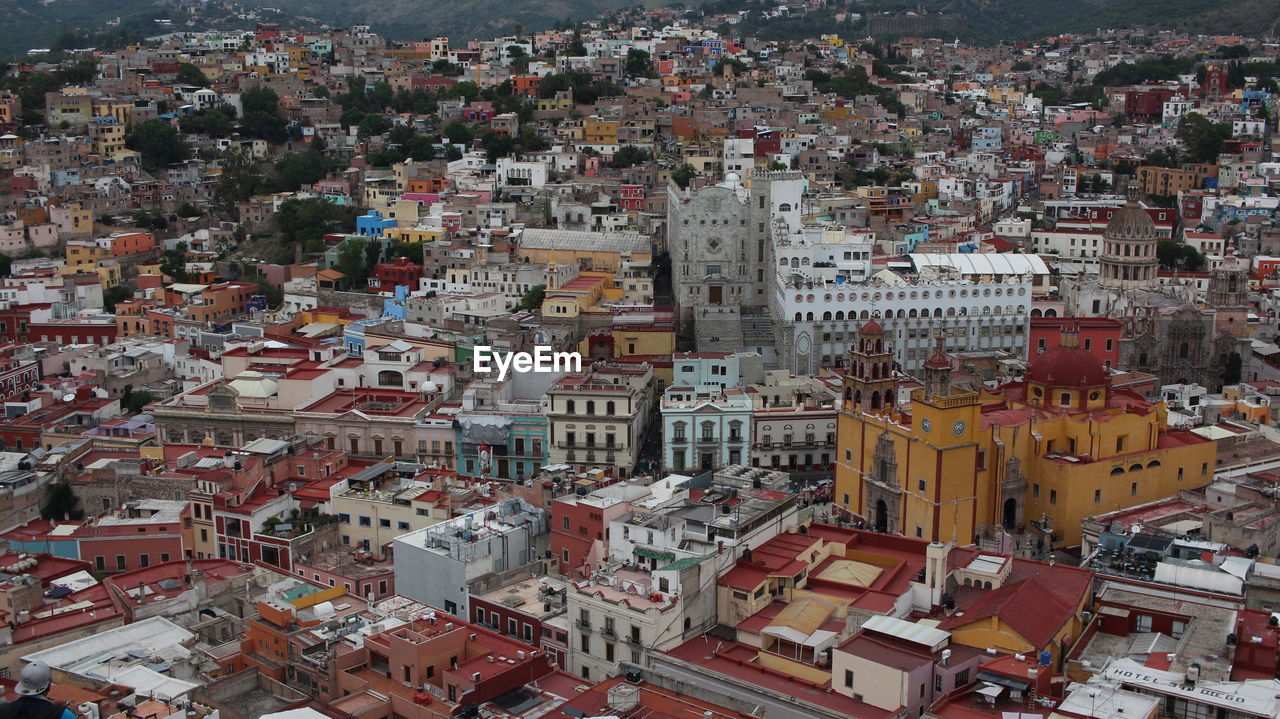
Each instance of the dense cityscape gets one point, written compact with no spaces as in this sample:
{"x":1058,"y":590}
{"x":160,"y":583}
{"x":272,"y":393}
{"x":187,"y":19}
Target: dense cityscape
{"x":643,"y":368}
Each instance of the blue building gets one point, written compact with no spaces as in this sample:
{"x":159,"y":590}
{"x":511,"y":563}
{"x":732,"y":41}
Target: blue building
{"x":497,"y":435}
{"x":371,"y":224}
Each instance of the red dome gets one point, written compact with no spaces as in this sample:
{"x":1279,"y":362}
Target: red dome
{"x":871,"y":328}
{"x":1068,"y":367}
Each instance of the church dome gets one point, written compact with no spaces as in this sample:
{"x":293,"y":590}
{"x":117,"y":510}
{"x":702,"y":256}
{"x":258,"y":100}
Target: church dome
{"x":251,"y":383}
{"x":1131,"y":222}
{"x":1068,"y":367}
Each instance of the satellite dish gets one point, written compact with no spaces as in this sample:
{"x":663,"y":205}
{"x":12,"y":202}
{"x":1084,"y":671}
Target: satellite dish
{"x":69,"y":397}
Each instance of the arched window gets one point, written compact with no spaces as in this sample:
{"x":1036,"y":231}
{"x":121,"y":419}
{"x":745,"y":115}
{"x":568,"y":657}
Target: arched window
{"x":390,"y":378}
{"x":609,"y":408}
{"x":1117,"y":471}
{"x":1135,"y":468}
{"x":591,"y":407}
{"x":569,"y":407}
{"x":1153,"y":464}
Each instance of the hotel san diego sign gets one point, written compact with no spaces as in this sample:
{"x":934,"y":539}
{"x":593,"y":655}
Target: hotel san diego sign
{"x":1239,"y":696}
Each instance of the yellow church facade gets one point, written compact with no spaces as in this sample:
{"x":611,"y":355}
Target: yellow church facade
{"x":1034,"y":456}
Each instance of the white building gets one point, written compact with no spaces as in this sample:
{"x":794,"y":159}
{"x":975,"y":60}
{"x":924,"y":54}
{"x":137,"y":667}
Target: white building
{"x":982,"y":302}
{"x":438,"y":565}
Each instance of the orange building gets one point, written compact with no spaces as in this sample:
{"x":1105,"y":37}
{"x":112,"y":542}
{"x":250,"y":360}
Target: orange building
{"x":526,"y":85}
{"x":128,"y":243}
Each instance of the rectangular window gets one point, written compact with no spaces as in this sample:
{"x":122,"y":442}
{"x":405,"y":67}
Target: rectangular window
{"x":384,"y":523}
{"x":1144,"y":623}
{"x":1053,"y":496}
{"x":1035,"y":490}
{"x":120,"y":562}
{"x":1133,"y":489}
{"x":366,"y":521}
{"x":848,"y":678}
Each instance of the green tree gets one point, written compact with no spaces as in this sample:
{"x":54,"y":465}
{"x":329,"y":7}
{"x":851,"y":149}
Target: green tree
{"x":532,"y":299}
{"x":113,"y":295}
{"x":373,"y":125}
{"x":1163,"y":157}
{"x":421,"y":147}
{"x":639,"y":64}
{"x":352,"y":262}
{"x":683,"y":175}
{"x":189,"y":74}
{"x":1175,"y":255}
{"x":240,"y":178}
{"x":627,"y":156}
{"x":213,"y":122}
{"x":158,"y":143}
{"x":174,"y":263}
{"x":458,"y":133}
{"x":134,"y":402}
{"x":307,"y":221}
{"x":1202,"y":137}
{"x":300,"y":169}
{"x":262,"y":118}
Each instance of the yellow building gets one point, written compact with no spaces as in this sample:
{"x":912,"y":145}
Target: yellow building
{"x":86,"y":256}
{"x":415,"y":234}
{"x":1040,"y":454}
{"x":600,"y":132}
{"x":374,"y":512}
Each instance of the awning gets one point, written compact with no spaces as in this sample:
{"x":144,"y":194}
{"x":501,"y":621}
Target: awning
{"x":1002,"y":680}
{"x":991,"y":691}
{"x":655,"y":554}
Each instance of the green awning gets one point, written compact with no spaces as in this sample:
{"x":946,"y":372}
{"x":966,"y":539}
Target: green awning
{"x":655,"y":554}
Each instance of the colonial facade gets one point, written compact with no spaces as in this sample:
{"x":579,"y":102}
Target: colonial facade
{"x":1036,"y":455}
{"x":719,"y":240}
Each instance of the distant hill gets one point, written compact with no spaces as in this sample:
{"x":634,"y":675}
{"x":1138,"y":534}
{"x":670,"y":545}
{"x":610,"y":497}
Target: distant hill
{"x":40,"y":23}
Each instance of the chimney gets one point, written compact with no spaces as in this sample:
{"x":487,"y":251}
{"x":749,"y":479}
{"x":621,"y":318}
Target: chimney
{"x":935,"y":570}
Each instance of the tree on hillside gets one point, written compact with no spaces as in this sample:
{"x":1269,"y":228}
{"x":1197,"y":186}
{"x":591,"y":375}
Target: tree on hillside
{"x":1202,"y":137}
{"x":532,"y":299}
{"x":158,"y":143}
{"x":306,"y":222}
{"x":627,"y":156}
{"x":189,"y":74}
{"x":239,"y":179}
{"x":174,"y":263}
{"x":352,"y":262}
{"x":262,"y":118}
{"x":683,"y":175}
{"x":299,"y":169}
